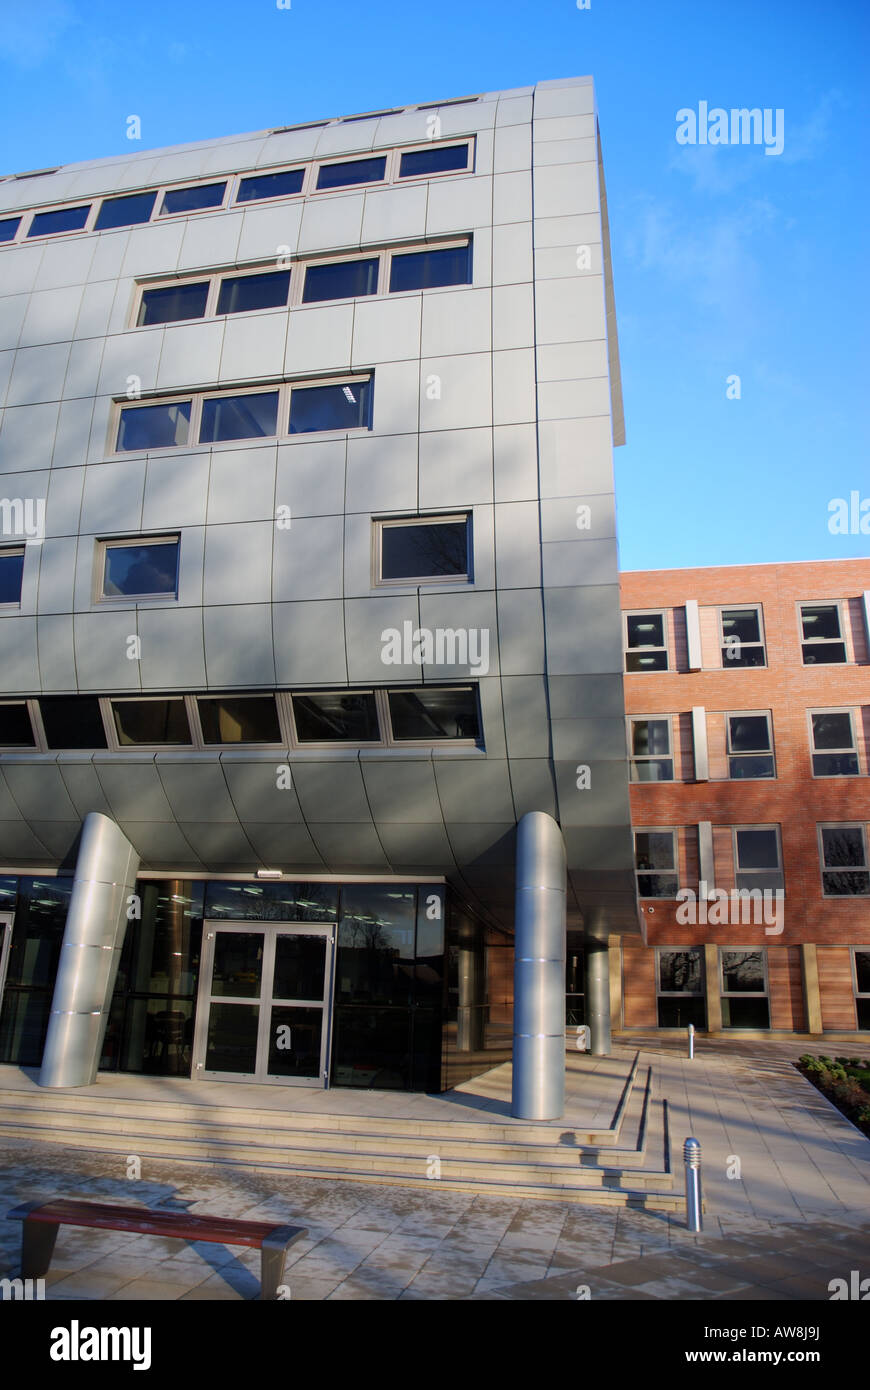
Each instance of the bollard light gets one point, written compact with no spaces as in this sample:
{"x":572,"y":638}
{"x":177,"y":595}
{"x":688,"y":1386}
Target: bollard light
{"x":692,"y":1161}
{"x":691,"y":1040}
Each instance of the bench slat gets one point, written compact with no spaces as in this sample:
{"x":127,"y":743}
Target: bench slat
{"x":145,"y":1221}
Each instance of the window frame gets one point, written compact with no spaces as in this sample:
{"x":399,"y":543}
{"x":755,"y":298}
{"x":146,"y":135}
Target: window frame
{"x":266,"y":172}
{"x":856,"y":992}
{"x":745,"y":993}
{"x":233,"y":393}
{"x":674,"y":872}
{"x":471,"y":156}
{"x":646,"y":613}
{"x":852,"y":712}
{"x":832,"y":869}
{"x":770,"y":753}
{"x":143,"y":287}
{"x":739,"y":666}
{"x":144,"y":697}
{"x":101,"y":547}
{"x":840,"y":606}
{"x":203,"y":744}
{"x":780,"y":867}
{"x":39,"y":743}
{"x":630,"y":721}
{"x":418,"y":519}
{"x":334,"y":743}
{"x":8,"y":552}
{"x":393,"y":742}
{"x":699,"y":993}
{"x":356,"y":157}
{"x":159,"y":216}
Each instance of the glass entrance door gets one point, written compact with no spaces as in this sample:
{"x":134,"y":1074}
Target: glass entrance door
{"x":5,"y":944}
{"x":265,"y":1004}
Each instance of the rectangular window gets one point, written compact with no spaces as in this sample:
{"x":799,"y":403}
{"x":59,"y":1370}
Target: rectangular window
{"x":257,"y":187}
{"x":645,"y":642}
{"x":72,"y":721}
{"x":171,"y":303}
{"x":340,"y":280}
{"x":11,"y":574}
{"x":59,"y":220}
{"x":742,"y":639}
{"x":338,"y":716}
{"x":351,"y":171}
{"x":757,"y":860}
{"x":440,"y":159}
{"x":126,"y":211}
{"x":242,"y":294}
{"x":331,"y":407}
{"x":426,"y":549}
{"x":744,"y":989}
{"x":437,"y":713}
{"x":162,"y":426}
{"x":425,"y":270}
{"x":150,"y":722}
{"x":861,"y":965}
{"x":844,"y":861}
{"x":198,"y":199}
{"x":680,"y":975}
{"x":251,"y":416}
{"x":9,"y":228}
{"x":835,"y":753}
{"x":140,"y":569}
{"x":750,"y":746}
{"x":239,"y":719}
{"x":16,"y":730}
{"x":655,"y":863}
{"x":650,"y":750}
{"x":822,"y":634}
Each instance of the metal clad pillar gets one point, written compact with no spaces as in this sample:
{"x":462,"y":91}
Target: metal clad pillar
{"x":598,"y":996}
{"x":539,"y":970}
{"x":105,"y":876}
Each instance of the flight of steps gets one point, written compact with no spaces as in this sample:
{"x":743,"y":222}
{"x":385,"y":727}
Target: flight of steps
{"x":628,"y":1164}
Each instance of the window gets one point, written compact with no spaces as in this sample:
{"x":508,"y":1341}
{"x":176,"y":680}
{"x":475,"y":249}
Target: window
{"x":650,"y":750}
{"x":59,"y":220}
{"x":822,"y":634}
{"x":351,"y":171}
{"x":181,"y":301}
{"x":437,"y":713}
{"x":750,"y":747}
{"x":339,"y":716}
{"x":331,"y":407}
{"x":861,"y":969}
{"x":438,"y":159}
{"x":645,"y":643}
{"x":140,"y":569}
{"x":424,"y":270}
{"x":340,"y":280}
{"x":150,"y":722}
{"x":680,"y":976}
{"x":9,"y":227}
{"x":744,"y":989}
{"x":432,"y":548}
{"x":655,"y":863}
{"x":162,"y":426}
{"x":72,"y":721}
{"x":257,"y":187}
{"x":239,"y":719}
{"x":742,"y":640}
{"x":125,"y":211}
{"x":835,"y":753}
{"x":11,"y":574}
{"x":757,"y":862}
{"x":197,"y":199}
{"x":16,"y":730}
{"x":242,"y":294}
{"x":253,"y":415}
{"x":844,"y":861}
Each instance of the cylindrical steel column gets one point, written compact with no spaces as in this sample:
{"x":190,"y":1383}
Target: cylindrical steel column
{"x":538,"y":1091}
{"x":598,"y":996}
{"x":105,"y":876}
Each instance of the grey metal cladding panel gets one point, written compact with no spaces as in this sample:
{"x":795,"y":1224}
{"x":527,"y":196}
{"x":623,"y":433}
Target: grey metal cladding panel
{"x":580,"y":561}
{"x":603,"y":802}
{"x":525,"y":716}
{"x":310,"y":478}
{"x":196,"y":791}
{"x":230,"y":502}
{"x":483,"y":844}
{"x":238,"y":563}
{"x":172,"y":657}
{"x":331,"y":791}
{"x":58,"y":836}
{"x":177,"y":491}
{"x":517,"y":545}
{"x":83,"y":787}
{"x":221,"y":847}
{"x":238,"y":645}
{"x":521,"y":631}
{"x":101,"y":651}
{"x":113,"y":495}
{"x":287,"y":847}
{"x":133,"y":788}
{"x":161,"y":844}
{"x":256,"y":795}
{"x":474,"y":790}
{"x":19,"y":845}
{"x":18,"y":660}
{"x":573,"y":697}
{"x":600,"y":735}
{"x":365,"y":622}
{"x":39,"y":791}
{"x":416,"y":848}
{"x":350,"y":848}
{"x":559,"y":518}
{"x":401,"y":792}
{"x":309,"y":643}
{"x":492,"y":715}
{"x":576,"y":457}
{"x":307,"y":559}
{"x":456,"y":468}
{"x":382,"y":473}
{"x":533,"y":786}
{"x":9,"y":808}
{"x":24,"y":432}
{"x":470,"y":614}
{"x":583,"y":630}
{"x":599,"y":847}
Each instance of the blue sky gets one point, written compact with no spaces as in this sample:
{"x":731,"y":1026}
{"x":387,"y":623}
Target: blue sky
{"x":727,"y":261}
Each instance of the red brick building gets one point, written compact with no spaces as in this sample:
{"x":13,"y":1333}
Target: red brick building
{"x":748,"y":727}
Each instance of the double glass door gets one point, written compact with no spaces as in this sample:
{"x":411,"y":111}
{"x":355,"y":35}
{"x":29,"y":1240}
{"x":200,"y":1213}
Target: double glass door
{"x":265,"y":1003}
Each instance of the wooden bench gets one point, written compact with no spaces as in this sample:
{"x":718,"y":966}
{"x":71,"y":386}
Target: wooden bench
{"x":41,"y":1221}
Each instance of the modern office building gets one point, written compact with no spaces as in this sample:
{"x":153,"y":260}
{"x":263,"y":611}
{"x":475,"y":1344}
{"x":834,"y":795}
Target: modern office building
{"x":309,"y":592}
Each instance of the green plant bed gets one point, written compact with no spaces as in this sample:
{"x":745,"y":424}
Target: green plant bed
{"x":845,"y":1081}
